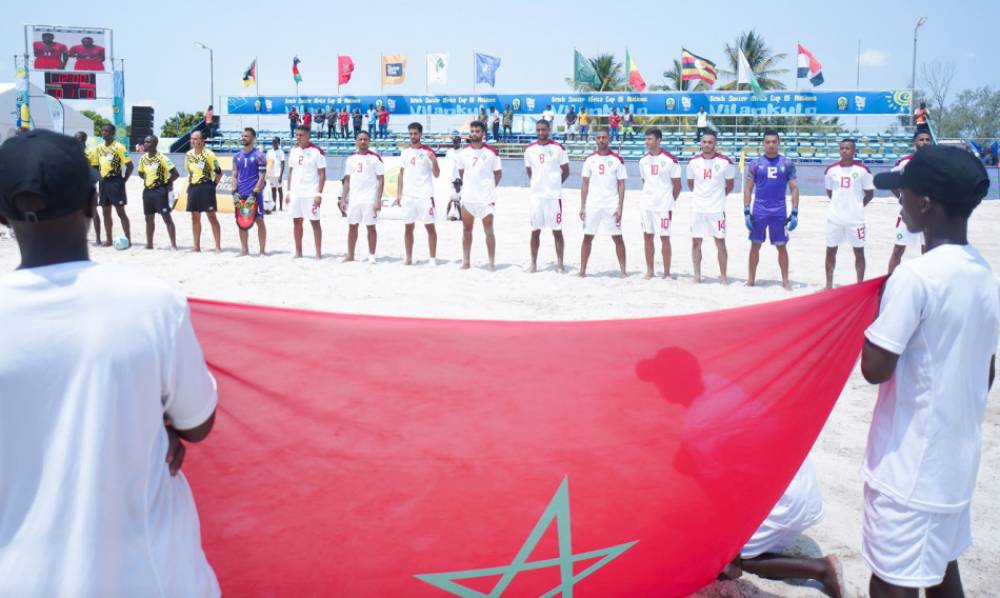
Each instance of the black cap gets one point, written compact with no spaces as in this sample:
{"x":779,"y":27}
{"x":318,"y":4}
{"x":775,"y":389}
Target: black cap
{"x":942,"y":173}
{"x":49,"y":166}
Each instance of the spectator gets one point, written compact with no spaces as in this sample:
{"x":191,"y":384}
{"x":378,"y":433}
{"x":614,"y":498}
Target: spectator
{"x":320,"y":118}
{"x":495,"y":122}
{"x":508,"y":123}
{"x":584,"y":124}
{"x":356,"y":121}
{"x":331,"y":123}
{"x":345,"y":117}
{"x":307,"y":118}
{"x":482,"y":116}
{"x":372,"y":121}
{"x":920,"y":118}
{"x":383,"y":122}
{"x":628,"y":133}
{"x":549,"y":115}
{"x":615,"y":122}
{"x":293,"y":121}
{"x":702,"y":122}
{"x":571,"y":123}
{"x":209,"y":121}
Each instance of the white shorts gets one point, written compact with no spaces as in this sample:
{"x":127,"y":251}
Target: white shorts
{"x":655,"y":222}
{"x":601,"y":221}
{"x":839,"y":234}
{"x":708,"y":224}
{"x":302,"y":207}
{"x":478,"y":210}
{"x":905,"y":237}
{"x":274,"y":182}
{"x":418,"y":209}
{"x":545,"y":213}
{"x":361,"y":213}
{"x":911,"y":548}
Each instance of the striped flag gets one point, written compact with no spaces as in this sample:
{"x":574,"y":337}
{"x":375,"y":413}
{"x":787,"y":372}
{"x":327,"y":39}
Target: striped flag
{"x":694,"y":67}
{"x":809,"y":67}
{"x":250,"y":75}
{"x":635,"y":80}
{"x":295,"y":70}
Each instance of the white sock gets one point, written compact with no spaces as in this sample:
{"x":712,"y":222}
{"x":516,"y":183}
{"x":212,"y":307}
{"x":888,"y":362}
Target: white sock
{"x":371,"y":258}
{"x":434,"y":261}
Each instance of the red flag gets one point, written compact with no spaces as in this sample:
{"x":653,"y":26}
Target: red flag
{"x":360,"y":456}
{"x":345,"y":66}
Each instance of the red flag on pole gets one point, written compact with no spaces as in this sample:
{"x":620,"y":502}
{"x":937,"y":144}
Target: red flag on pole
{"x":345,"y":66}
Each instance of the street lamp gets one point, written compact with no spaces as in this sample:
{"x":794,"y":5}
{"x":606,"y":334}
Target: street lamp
{"x":211,"y":68}
{"x":913,"y":74}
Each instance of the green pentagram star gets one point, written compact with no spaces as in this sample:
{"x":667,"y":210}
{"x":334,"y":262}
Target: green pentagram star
{"x":558,"y":510}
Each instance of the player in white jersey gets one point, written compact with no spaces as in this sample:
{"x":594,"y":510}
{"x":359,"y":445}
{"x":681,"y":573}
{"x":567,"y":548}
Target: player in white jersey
{"x":306,"y":179}
{"x":903,"y":236}
{"x":602,"y":198}
{"x":548,"y":166}
{"x":849,"y":186}
{"x":415,"y":191}
{"x":362,"y":198}
{"x":480,"y":169}
{"x":661,"y":184}
{"x":711,"y":177}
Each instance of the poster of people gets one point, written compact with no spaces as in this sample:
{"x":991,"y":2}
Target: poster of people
{"x":69,"y":49}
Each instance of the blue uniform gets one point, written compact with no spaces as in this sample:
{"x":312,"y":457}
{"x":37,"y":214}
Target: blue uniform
{"x":770,"y":212}
{"x":248,"y":168}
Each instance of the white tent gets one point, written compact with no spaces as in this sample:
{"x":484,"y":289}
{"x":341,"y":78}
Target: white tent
{"x":46,"y":113}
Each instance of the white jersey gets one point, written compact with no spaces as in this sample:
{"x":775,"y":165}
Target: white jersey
{"x":418,"y":171}
{"x":848,"y":185}
{"x":452,"y":156}
{"x":658,"y":173}
{"x":275,"y":160}
{"x":603,"y":174}
{"x":364,"y":170}
{"x":546,"y":162}
{"x":710,"y":176}
{"x":305,"y":165}
{"x":478,"y":167}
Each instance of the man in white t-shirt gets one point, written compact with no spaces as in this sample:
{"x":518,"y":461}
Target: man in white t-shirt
{"x":306,"y":179}
{"x":101,"y":377}
{"x":661,"y":184}
{"x":849,"y":187}
{"x":547,"y":166}
{"x":903,"y":236}
{"x":602,"y":198}
{"x":451,"y":155}
{"x":362,"y":198}
{"x":480,"y":169}
{"x":711,"y":177}
{"x":418,"y":167}
{"x":275,"y":170}
{"x":932,"y":351}
{"x":702,"y":122}
{"x":548,"y":115}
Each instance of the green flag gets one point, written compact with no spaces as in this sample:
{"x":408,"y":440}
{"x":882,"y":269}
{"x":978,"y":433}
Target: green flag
{"x":746,"y":76}
{"x":583,"y":72}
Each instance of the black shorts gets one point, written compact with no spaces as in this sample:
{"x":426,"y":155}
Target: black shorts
{"x":112,"y":192}
{"x":201,"y":198}
{"x":155,"y":201}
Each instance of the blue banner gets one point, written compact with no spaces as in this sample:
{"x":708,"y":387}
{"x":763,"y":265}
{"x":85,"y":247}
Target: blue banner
{"x":716,"y":103}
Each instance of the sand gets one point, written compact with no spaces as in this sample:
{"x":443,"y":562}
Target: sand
{"x":390,"y":288}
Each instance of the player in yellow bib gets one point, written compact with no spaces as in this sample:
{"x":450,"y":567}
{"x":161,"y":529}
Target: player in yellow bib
{"x":204,"y":174}
{"x":81,"y":138}
{"x":158,"y":175}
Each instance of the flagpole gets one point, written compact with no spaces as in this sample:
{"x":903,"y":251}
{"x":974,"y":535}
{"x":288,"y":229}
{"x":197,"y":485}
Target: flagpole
{"x":474,"y":71}
{"x":338,"y":73}
{"x":256,"y":83}
{"x":427,"y":90}
{"x":381,"y":78}
{"x":857,"y":82}
{"x":795,"y":119}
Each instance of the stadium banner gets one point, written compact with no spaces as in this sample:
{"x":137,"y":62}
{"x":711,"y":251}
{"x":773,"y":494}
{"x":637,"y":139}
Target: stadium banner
{"x":70,"y":49}
{"x":716,"y":103}
{"x":474,"y":458}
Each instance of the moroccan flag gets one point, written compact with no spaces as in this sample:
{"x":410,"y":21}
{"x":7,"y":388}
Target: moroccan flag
{"x":809,"y":67}
{"x":295,"y":70}
{"x":583,"y":71}
{"x":635,"y":80}
{"x":250,"y":75}
{"x":345,"y":66}
{"x":426,"y":458}
{"x":695,"y":67}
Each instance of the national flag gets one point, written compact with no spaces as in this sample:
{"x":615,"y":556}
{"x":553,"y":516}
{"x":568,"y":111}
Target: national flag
{"x":694,"y":67}
{"x":486,"y":68}
{"x":635,"y":80}
{"x":345,"y":66}
{"x":295,"y":70}
{"x":393,"y":69}
{"x":250,"y":75}
{"x":745,"y":74}
{"x":437,"y":69}
{"x":583,"y":71}
{"x":809,"y":67}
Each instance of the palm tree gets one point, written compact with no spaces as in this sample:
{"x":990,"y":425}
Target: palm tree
{"x":610,"y":74}
{"x":761,"y":58}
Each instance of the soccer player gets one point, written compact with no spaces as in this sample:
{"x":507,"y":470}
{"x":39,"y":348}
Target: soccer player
{"x":849,"y":187}
{"x":49,"y":54}
{"x":604,"y":188}
{"x":81,"y":138}
{"x":204,"y":174}
{"x":362,"y":198}
{"x":661,"y":184}
{"x":770,"y":174}
{"x":903,"y":236}
{"x":480,"y":169}
{"x":711,"y":177}
{"x":415,"y":191}
{"x":932,"y":351}
{"x":158,"y":175}
{"x":89,"y":56}
{"x":548,"y":167}
{"x":275,"y":170}
{"x":112,"y":158}
{"x":306,"y":179}
{"x":249,"y":166}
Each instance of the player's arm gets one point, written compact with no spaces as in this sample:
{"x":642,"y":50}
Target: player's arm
{"x":128,"y":164}
{"x":621,"y":196}
{"x":793,"y":185}
{"x":173,"y":177}
{"x":435,"y":169}
{"x":564,"y":169}
{"x":869,"y":195}
{"x":690,"y":178}
{"x":497,"y":173}
{"x":730,"y":181}
{"x":261,"y":176}
{"x":399,"y":186}
{"x":379,"y":187}
{"x":281,"y":170}
{"x":748,"y":183}
{"x":877,"y":364}
{"x":218,"y":174}
{"x":584,"y":192}
{"x":289,"y":186}
{"x":346,"y":191}
{"x":869,"y":188}
{"x":677,"y":187}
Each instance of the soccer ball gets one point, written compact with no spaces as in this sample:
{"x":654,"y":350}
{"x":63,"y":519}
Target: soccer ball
{"x":121,"y":243}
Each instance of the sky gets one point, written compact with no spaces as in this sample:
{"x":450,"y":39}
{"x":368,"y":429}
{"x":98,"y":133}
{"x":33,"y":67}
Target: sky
{"x":535,"y":41}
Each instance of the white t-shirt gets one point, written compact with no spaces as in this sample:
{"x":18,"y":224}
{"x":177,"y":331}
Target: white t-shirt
{"x":275,"y":159}
{"x":549,"y":115}
{"x":546,"y":162}
{"x":658,"y":174}
{"x":848,"y":184}
{"x":93,"y":356}
{"x":477,"y":166}
{"x":941,"y":314}
{"x":451,"y":155}
{"x":702,"y":120}
{"x":418,"y":171}
{"x":710,"y":176}
{"x":364,"y":170}
{"x":305,"y":165}
{"x":495,"y":117}
{"x":603,"y":173}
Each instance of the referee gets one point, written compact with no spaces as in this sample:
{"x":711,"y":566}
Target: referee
{"x":204,"y":174}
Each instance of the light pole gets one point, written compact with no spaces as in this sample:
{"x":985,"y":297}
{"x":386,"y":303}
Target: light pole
{"x":913,"y":73}
{"x":211,"y":69}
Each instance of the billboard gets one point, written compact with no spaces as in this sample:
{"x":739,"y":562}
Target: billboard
{"x":69,"y":49}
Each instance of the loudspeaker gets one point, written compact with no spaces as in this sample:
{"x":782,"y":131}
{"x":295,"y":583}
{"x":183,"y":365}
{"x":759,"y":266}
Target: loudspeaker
{"x":142,"y":123}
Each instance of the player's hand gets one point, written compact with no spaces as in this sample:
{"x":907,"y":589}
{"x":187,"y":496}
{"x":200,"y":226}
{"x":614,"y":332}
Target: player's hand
{"x":583,"y":215}
{"x":175,"y":448}
{"x":342,"y":205}
{"x":317,"y":201}
{"x":618,"y":216}
{"x":748,"y":219}
{"x":398,"y":201}
{"x":793,"y":220}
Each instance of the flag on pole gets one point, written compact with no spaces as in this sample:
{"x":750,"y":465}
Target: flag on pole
{"x":345,"y":67}
{"x":809,"y":67}
{"x":745,"y":74}
{"x":635,"y":80}
{"x":393,"y":69}
{"x":250,"y":75}
{"x":295,"y":70}
{"x":437,"y":68}
{"x":583,"y":71}
{"x":694,"y":67}
{"x":486,"y":68}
